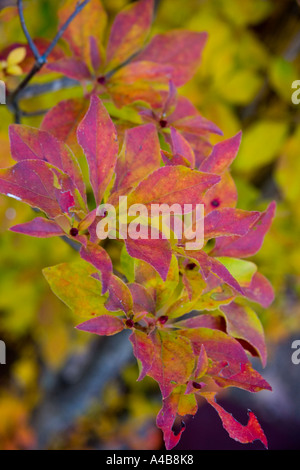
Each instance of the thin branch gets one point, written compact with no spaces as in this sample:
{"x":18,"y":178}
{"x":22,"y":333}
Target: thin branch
{"x":62,"y":405}
{"x":26,"y":32}
{"x":79,"y":7}
{"x":41,"y":60}
{"x":41,"y":88}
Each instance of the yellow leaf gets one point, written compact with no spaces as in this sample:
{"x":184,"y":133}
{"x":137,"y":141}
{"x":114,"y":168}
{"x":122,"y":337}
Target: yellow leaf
{"x":14,"y":70}
{"x":261,"y":144}
{"x":16,"y":56}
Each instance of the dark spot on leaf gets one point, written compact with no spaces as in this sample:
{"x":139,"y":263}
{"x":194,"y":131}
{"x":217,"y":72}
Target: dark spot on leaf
{"x":74,"y":232}
{"x":163,"y":123}
{"x":101,"y":80}
{"x":191,"y":266}
{"x":215,"y":203}
{"x":163,"y":319}
{"x":197,"y":386}
{"x":129,"y":323}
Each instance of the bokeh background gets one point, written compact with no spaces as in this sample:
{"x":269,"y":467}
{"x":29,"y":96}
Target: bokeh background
{"x":61,"y":389}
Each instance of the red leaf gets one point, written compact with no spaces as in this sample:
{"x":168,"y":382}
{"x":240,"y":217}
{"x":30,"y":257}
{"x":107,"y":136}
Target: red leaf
{"x":222,"y":195}
{"x":206,"y":321}
{"x":260,"y":290}
{"x":144,"y":71}
{"x":243,"y":323}
{"x":249,"y":244}
{"x":197,"y":125}
{"x":247,"y":379}
{"x":97,"y":256}
{"x":173,"y":360}
{"x":184,"y":108}
{"x":105,"y":325}
{"x":39,"y":227}
{"x":170,"y":159}
{"x":39,"y":184}
{"x":180,"y":49}
{"x":142,"y":299}
{"x":226,"y":353}
{"x":143,"y":351}
{"x":63,"y":119}
{"x":202,"y":363}
{"x":222,"y":155}
{"x":229,"y":365}
{"x":244,"y":434}
{"x":181,"y":147}
{"x":98,"y":139}
{"x":157,"y":253}
{"x":140,"y":156}
{"x":90,"y":22}
{"x":209,"y":265}
{"x":175,"y":405}
{"x":72,"y":68}
{"x":129,"y":32}
{"x":28,"y":143}
{"x":229,"y":221}
{"x":119,"y":296}
{"x":171,"y":185}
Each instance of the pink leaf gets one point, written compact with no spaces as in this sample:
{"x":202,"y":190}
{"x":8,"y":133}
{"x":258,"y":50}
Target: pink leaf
{"x":39,"y":227}
{"x":139,"y":157}
{"x":243,"y":323}
{"x":202,"y":363}
{"x":180,"y":49}
{"x":129,"y":32}
{"x":119,"y":296}
{"x":173,"y":184}
{"x":210,"y":265}
{"x":222,"y":155}
{"x":260,"y":290}
{"x":197,"y":125}
{"x":97,"y":256}
{"x":72,"y":68}
{"x":105,"y":325}
{"x":143,"y":351}
{"x":98,"y":139}
{"x":157,"y":253}
{"x":222,"y":195}
{"x":142,"y":299}
{"x":39,"y":184}
{"x":229,"y":221}
{"x":62,"y":120}
{"x":28,"y":143}
{"x":249,"y":244}
{"x":180,"y":146}
{"x":173,"y":360}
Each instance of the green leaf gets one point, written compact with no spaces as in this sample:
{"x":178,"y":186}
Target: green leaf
{"x":260,"y":145}
{"x":241,"y":270}
{"x":73,"y":284}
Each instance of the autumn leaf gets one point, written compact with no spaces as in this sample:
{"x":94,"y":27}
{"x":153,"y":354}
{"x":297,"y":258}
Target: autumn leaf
{"x":74,"y":285}
{"x":129,"y":32}
{"x":183,"y":48}
{"x":105,"y":325}
{"x":98,"y":139}
{"x":39,"y":227}
{"x":98,"y":257}
{"x":244,"y":434}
